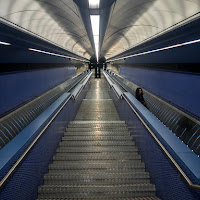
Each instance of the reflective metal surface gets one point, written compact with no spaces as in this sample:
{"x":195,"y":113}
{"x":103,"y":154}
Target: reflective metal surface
{"x":97,"y":158}
{"x":134,"y":21}
{"x":13,"y":123}
{"x":130,"y":23}
{"x":186,"y":127}
{"x":56,"y":21}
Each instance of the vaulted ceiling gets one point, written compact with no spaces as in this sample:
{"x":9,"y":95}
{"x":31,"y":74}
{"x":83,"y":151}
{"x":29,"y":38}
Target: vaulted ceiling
{"x":66,"y":23}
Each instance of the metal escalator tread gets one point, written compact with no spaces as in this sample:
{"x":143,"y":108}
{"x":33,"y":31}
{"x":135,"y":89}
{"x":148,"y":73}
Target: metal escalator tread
{"x":96,"y":138}
{"x":97,"y":175}
{"x":97,"y":158}
{"x":91,"y":191}
{"x":102,"y":133}
{"x":96,"y":143}
{"x":95,"y":149}
{"x":96,"y":122}
{"x":98,"y":129}
{"x":110,"y":166}
{"x":104,"y":198}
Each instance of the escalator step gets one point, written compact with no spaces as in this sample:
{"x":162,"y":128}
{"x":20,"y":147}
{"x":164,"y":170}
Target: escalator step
{"x":96,"y":143}
{"x":104,"y":198}
{"x":95,"y":165}
{"x":97,"y":156}
{"x":95,"y":149}
{"x":92,"y":191}
{"x":96,"y":137}
{"x":97,"y":122}
{"x":91,"y":178}
{"x":101,"y":133}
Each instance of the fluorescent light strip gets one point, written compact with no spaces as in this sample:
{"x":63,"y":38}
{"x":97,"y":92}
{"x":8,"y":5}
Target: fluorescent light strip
{"x":161,"y":49}
{"x":95,"y":22}
{"x":54,"y":54}
{"x":94,"y":4}
{"x":5,"y":43}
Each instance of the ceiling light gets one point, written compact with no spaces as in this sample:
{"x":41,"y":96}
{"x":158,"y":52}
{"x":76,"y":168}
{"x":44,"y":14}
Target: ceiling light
{"x":94,"y":4}
{"x":95,"y":22}
{"x":54,"y":54}
{"x":5,"y":43}
{"x":161,"y":49}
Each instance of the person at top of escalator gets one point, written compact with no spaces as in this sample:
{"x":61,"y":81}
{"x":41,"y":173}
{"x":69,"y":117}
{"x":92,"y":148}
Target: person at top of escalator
{"x":139,"y":96}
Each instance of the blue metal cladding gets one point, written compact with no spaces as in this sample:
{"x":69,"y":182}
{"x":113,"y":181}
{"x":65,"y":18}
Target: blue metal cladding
{"x":179,"y":88}
{"x":41,"y":103}
{"x":179,"y":123}
{"x":169,"y":184}
{"x":20,"y":87}
{"x":29,"y":175}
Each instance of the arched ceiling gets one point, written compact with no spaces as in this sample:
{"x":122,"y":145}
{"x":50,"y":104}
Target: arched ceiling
{"x":57,"y":21}
{"x":135,"y":21}
{"x":131,"y":22}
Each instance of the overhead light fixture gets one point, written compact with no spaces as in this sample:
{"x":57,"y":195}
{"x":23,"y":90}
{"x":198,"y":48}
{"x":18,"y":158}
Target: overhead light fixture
{"x":94,"y":4}
{"x":161,"y":49}
{"x":95,"y":22}
{"x":5,"y":43}
{"x":55,"y":54}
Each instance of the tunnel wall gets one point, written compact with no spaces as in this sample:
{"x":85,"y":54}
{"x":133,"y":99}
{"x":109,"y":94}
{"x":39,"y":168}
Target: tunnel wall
{"x":178,"y":88}
{"x":168,"y":182}
{"x":30,"y":173}
{"x":18,"y":87}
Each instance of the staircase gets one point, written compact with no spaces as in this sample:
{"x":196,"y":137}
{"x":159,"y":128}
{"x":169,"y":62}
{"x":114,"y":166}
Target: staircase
{"x":97,"y":158}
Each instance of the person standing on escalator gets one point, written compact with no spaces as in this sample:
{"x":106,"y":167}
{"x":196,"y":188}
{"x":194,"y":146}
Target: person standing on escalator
{"x":139,"y":96}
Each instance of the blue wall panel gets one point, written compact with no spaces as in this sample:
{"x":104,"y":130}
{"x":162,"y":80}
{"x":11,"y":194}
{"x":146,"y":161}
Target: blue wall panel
{"x":169,"y":184}
{"x":184,"y":54}
{"x":179,"y":88}
{"x":24,"y":183}
{"x":17,"y":88}
{"x":14,"y":54}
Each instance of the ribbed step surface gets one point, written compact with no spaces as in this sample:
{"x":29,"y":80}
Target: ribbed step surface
{"x":95,"y":143}
{"x":105,"y":198}
{"x":96,"y":138}
{"x":91,"y":191}
{"x":93,"y":149}
{"x":97,"y":158}
{"x":99,"y":133}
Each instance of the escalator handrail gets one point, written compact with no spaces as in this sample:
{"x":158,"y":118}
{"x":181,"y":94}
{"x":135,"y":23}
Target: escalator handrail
{"x":14,"y":167}
{"x":186,"y":178}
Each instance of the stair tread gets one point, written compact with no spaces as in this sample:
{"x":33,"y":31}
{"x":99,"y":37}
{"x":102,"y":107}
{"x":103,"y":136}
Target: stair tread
{"x":97,"y":158}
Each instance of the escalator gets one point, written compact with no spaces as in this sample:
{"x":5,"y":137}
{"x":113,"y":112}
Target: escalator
{"x":97,"y":158}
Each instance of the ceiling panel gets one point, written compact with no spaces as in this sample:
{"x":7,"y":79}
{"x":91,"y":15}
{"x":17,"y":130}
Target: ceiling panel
{"x":56,"y":21}
{"x":131,"y":22}
{"x":135,"y":21}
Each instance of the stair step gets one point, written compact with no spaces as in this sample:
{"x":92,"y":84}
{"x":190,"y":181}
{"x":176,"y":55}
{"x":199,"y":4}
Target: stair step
{"x":93,"y":125}
{"x":96,"y":165}
{"x":97,"y":149}
{"x":98,"y":174}
{"x":93,"y":170}
{"x":102,"y":133}
{"x":104,"y":198}
{"x":85,"y":129}
{"x":97,"y":122}
{"x":97,"y":156}
{"x":96,"y":137}
{"x":99,"y":178}
{"x":93,"y":191}
{"x":54,"y":180}
{"x":96,"y":143}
